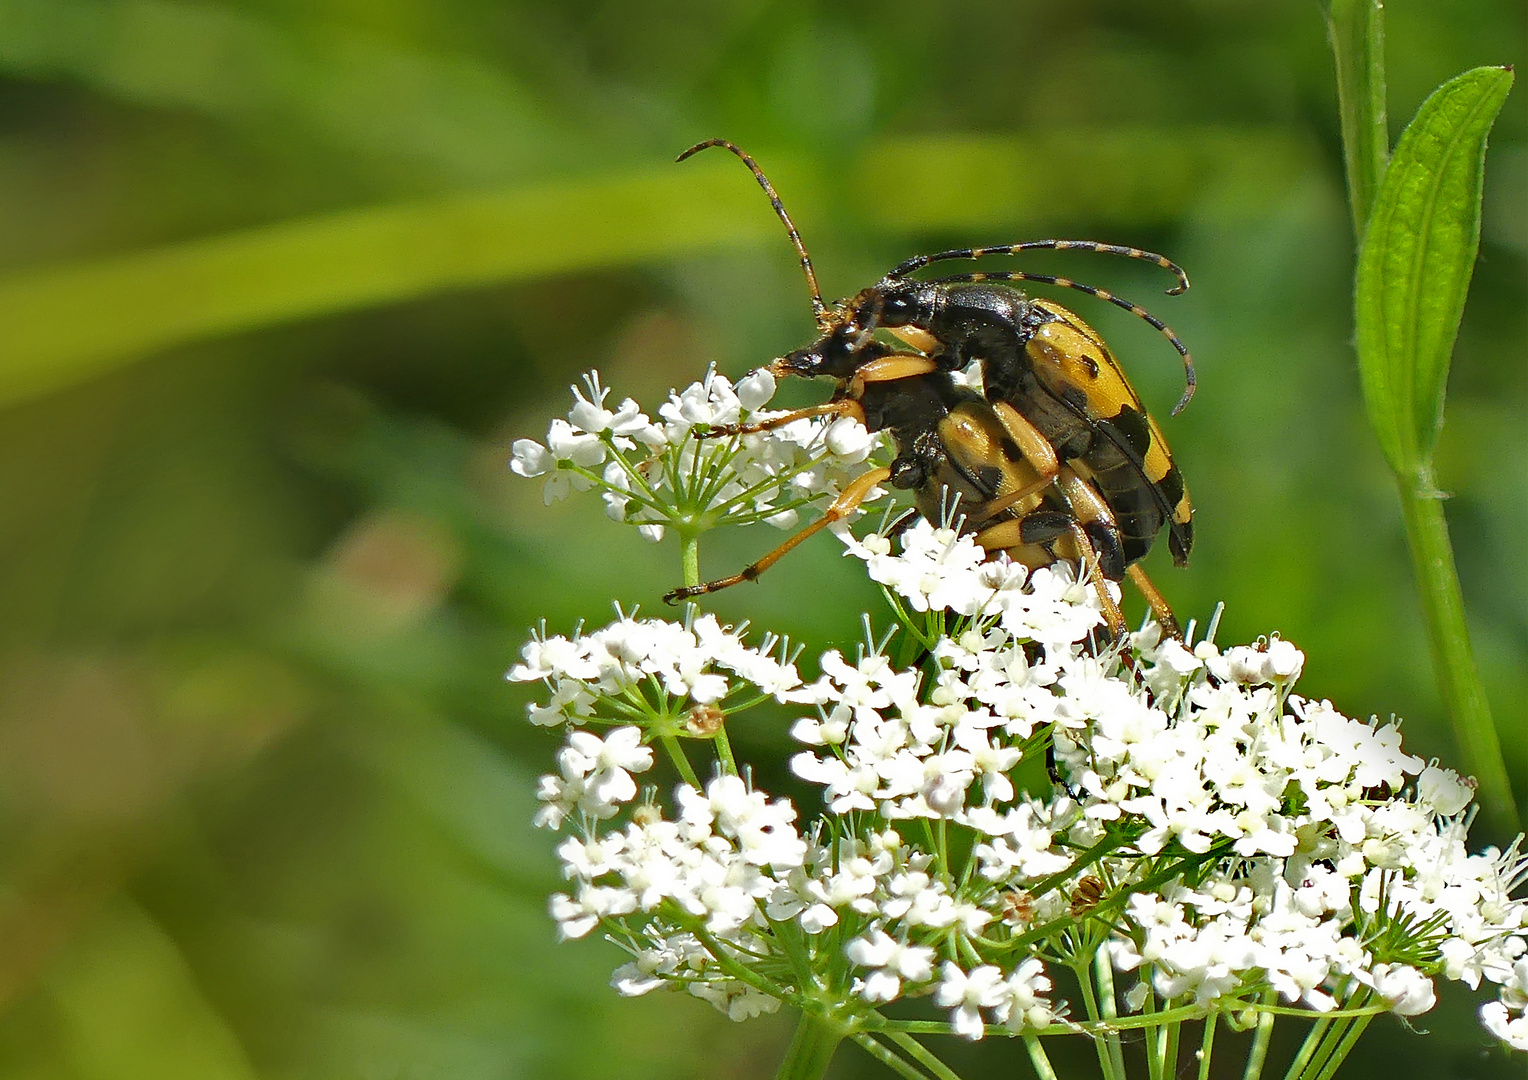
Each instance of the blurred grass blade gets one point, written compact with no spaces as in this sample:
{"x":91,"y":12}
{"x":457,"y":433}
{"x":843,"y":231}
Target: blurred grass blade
{"x":61,"y":325}
{"x":1356,"y":29}
{"x":1415,"y":263}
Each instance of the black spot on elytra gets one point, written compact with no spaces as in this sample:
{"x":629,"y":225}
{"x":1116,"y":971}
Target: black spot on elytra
{"x":1131,"y":423}
{"x":1172,"y":486}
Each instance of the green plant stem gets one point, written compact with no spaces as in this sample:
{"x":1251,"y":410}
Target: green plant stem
{"x":689,"y":558}
{"x":675,"y":751}
{"x":1090,"y":1004}
{"x":1103,"y":971}
{"x":1257,"y":1054}
{"x":811,"y":1049}
{"x":1448,"y":636}
{"x":1313,"y":1041}
{"x":1207,"y":1046}
{"x":1340,"y":1052}
{"x":1039,"y":1059}
{"x":724,"y":752}
{"x":886,"y":1056}
{"x":1153,"y":1039}
{"x":1356,"y":30}
{"x":919,"y":1053}
{"x":1315,"y":1065}
{"x":1169,"y":1041}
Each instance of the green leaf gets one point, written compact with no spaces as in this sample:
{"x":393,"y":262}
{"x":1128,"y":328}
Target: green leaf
{"x":1415,"y":264}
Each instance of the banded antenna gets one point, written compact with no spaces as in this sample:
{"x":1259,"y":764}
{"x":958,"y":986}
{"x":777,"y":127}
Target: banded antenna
{"x":819,"y":309}
{"x":918,"y":262}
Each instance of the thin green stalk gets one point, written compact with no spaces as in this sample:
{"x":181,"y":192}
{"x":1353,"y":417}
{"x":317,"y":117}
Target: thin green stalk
{"x":1342,"y":1050}
{"x":1308,"y":1048}
{"x":1448,"y":637}
{"x":1153,"y":1040}
{"x":1207,"y":1046}
{"x":919,"y":1053}
{"x":724,"y":752}
{"x":675,"y":752}
{"x":729,"y":963}
{"x":1038,"y":1058}
{"x":1322,"y":1055}
{"x":1337,"y":1041}
{"x":689,"y":558}
{"x":1070,"y":1027}
{"x":1257,"y":1053}
{"x":1103,"y":972}
{"x":1356,"y":30}
{"x":811,"y":1049}
{"x":885,"y":1055}
{"x":1168,"y":1036}
{"x":1090,"y":1005}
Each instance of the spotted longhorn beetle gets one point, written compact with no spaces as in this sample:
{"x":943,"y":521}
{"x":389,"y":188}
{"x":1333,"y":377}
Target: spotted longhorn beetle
{"x":1050,"y":379}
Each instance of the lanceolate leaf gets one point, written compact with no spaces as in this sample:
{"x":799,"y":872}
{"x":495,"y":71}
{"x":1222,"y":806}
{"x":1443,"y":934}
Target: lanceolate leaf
{"x":1415,"y":263}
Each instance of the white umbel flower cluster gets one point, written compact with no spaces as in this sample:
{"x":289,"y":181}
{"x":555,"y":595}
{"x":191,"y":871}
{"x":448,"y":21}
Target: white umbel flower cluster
{"x":1001,"y":802}
{"x":667,"y":474}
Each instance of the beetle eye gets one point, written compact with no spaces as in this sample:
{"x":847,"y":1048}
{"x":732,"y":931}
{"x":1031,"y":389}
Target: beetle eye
{"x":896,"y":310}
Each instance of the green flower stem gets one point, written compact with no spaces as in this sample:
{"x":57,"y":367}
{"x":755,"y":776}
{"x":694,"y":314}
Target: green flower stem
{"x":1315,"y":1065}
{"x":1257,"y":1054}
{"x":1168,"y":1037}
{"x":916,"y":1050}
{"x":1090,"y":1004}
{"x":1313,"y":1039}
{"x":885,"y":1056}
{"x":1288,"y":1010}
{"x":728,"y":963}
{"x":1207,"y":1046}
{"x":1341,"y":1051}
{"x":1037,"y":1057}
{"x":1153,"y":1038}
{"x":1432,"y":559}
{"x":811,"y":1049}
{"x":787,"y":935}
{"x":1068,"y":1027}
{"x":676,"y":754}
{"x":1103,"y":973}
{"x":689,"y":558}
{"x":1356,"y":30}
{"x":724,"y":751}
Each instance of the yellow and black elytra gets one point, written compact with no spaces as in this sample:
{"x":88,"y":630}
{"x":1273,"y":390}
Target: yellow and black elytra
{"x":1052,"y":384}
{"x":1053,"y":369}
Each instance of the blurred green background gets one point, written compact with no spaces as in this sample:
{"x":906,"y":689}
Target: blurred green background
{"x":280,"y":281}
